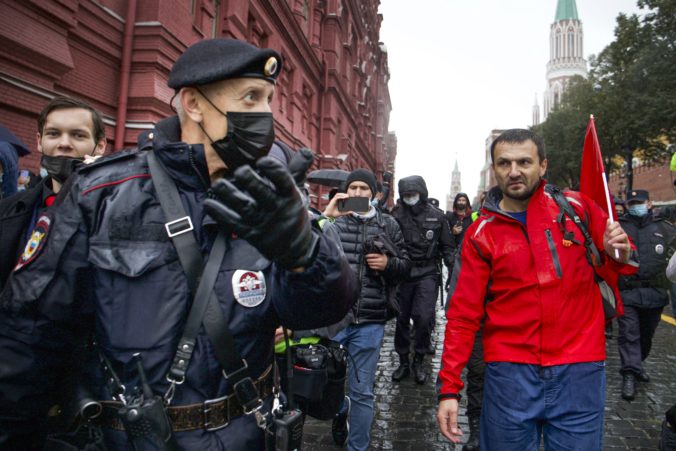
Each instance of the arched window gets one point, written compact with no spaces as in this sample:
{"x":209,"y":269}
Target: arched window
{"x":558,"y":43}
{"x":571,"y":42}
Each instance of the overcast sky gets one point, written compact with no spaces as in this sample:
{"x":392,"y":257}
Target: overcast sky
{"x":460,"y":68}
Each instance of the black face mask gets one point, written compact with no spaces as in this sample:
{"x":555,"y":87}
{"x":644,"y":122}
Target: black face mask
{"x":249,"y":137}
{"x":60,"y":168}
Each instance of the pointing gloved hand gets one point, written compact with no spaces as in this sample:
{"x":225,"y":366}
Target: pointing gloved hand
{"x":266,"y":209}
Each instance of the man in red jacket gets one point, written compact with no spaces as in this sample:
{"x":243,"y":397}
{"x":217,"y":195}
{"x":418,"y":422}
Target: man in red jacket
{"x":525,"y":271}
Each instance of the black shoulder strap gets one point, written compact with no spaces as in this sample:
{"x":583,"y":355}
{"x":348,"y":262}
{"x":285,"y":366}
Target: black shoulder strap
{"x":179,"y":225}
{"x":205,"y":308}
{"x":593,"y":255}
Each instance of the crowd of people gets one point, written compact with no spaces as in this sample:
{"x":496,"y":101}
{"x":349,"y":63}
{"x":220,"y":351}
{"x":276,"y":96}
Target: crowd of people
{"x":152,"y":298}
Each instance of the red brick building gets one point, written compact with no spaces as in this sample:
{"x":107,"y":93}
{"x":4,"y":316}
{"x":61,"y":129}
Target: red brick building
{"x":116,"y":54}
{"x":657,"y":179}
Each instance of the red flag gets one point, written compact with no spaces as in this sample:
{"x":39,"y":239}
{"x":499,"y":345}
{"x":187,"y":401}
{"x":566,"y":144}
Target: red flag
{"x":592,"y":171}
{"x":594,"y":185}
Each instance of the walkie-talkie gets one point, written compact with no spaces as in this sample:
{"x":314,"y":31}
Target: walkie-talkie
{"x":145,"y":417}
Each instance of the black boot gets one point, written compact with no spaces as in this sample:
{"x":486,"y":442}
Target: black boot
{"x":628,"y":386}
{"x":418,"y":372}
{"x":473,"y":443}
{"x":643,"y":377}
{"x":404,"y":368}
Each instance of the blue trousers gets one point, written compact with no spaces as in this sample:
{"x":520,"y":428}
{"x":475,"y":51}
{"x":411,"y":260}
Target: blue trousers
{"x":563,"y":403}
{"x":363,"y":342}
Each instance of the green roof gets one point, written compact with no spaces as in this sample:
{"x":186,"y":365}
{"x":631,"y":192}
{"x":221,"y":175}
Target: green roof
{"x":566,"y":9}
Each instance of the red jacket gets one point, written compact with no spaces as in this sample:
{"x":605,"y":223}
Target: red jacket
{"x":539,"y":299}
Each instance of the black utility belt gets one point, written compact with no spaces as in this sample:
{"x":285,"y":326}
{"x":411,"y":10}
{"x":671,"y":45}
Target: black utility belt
{"x":210,"y":415}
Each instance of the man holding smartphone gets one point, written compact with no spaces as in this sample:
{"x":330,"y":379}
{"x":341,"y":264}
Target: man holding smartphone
{"x":68,"y":131}
{"x":377,"y":273}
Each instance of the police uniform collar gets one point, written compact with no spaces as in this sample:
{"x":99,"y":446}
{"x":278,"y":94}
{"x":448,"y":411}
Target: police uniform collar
{"x":186,"y":164}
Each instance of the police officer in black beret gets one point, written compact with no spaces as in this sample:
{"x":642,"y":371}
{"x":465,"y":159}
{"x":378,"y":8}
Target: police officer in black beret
{"x":644,"y":294}
{"x":101,"y":294}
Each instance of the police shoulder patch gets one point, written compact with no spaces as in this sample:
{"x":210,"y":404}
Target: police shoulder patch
{"x":35,"y":243}
{"x":248,"y":287}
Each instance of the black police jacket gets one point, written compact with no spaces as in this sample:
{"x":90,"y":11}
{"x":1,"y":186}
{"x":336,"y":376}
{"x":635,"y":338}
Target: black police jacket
{"x":427,"y":237}
{"x":106,"y":268}
{"x":371,"y":307}
{"x":16,"y":213}
{"x":655,"y":242}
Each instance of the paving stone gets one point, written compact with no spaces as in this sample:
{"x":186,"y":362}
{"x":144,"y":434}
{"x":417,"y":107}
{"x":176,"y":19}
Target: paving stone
{"x":405,"y":412}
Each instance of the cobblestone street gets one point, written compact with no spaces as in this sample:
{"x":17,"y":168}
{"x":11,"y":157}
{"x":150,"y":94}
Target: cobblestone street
{"x":405,"y":412}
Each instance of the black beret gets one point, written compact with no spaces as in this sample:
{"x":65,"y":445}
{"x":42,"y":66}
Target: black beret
{"x":638,"y":195}
{"x":213,"y":60}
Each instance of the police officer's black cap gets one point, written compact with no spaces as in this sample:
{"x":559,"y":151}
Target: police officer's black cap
{"x":213,"y":60}
{"x":637,"y":195}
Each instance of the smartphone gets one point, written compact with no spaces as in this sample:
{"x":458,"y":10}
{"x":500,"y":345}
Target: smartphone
{"x":357,"y":204}
{"x":24,"y":173}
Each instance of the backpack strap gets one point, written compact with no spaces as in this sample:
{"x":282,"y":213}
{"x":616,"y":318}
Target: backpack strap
{"x":593,"y":255}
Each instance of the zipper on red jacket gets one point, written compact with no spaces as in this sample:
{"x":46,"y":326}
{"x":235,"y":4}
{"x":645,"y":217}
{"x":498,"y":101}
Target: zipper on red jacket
{"x":510,"y":218}
{"x":555,"y":255}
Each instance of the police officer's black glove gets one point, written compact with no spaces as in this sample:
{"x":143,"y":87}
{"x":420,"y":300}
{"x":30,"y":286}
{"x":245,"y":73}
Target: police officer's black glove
{"x":299,"y":165}
{"x":266,"y":209}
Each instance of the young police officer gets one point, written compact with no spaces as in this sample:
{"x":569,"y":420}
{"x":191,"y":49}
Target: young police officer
{"x":68,"y":131}
{"x":105,"y":265}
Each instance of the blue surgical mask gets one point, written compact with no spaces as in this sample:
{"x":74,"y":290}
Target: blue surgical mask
{"x":374,"y":202}
{"x":638,"y":210}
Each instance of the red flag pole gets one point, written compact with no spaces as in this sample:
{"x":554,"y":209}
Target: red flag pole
{"x":606,"y":191}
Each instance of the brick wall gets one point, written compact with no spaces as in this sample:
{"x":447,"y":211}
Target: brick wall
{"x":332,"y":97}
{"x":655,"y":179}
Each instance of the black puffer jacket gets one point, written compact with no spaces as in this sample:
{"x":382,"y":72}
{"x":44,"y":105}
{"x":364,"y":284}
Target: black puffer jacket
{"x":371,"y":307}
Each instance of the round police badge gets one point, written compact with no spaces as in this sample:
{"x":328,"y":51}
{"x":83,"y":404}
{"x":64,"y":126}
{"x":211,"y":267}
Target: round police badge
{"x":659,"y":249}
{"x":270,"y":66}
{"x":248,"y":287}
{"x":35,"y":243}
{"x":429,"y":234}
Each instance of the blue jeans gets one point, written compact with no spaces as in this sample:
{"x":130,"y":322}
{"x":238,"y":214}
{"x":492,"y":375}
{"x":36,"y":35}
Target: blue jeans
{"x":363,"y":343}
{"x":564,"y":403}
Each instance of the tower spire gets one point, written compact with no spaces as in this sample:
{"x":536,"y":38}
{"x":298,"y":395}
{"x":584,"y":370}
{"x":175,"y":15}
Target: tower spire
{"x":456,"y":186}
{"x":566,"y":54}
{"x":566,"y":9}
{"x":536,"y":111}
